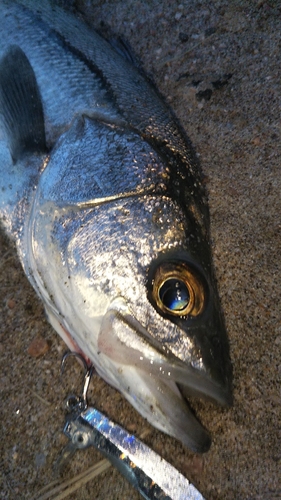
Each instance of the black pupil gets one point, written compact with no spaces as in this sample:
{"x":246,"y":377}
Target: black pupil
{"x":174,"y":294}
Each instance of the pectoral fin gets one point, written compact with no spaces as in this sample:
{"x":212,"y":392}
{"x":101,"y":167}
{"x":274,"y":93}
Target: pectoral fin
{"x":20,"y":104}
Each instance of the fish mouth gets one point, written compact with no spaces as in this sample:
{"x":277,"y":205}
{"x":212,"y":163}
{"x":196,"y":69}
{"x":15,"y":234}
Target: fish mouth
{"x":154,"y":381}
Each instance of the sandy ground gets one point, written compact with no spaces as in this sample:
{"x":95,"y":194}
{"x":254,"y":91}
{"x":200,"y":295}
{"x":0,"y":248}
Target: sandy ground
{"x":235,"y":128}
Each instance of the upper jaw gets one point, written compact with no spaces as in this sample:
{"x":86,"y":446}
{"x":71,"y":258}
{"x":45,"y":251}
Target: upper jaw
{"x":132,"y":347}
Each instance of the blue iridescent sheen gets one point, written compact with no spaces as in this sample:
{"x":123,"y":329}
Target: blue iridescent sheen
{"x":174,"y":294}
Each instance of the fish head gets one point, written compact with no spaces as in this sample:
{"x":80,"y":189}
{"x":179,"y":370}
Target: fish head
{"x":160,"y":329}
{"x":130,"y":278}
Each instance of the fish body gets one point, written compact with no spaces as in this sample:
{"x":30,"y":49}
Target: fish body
{"x":103,"y":196}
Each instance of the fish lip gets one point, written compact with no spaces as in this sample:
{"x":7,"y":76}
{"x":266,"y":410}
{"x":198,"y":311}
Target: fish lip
{"x":223,"y":397}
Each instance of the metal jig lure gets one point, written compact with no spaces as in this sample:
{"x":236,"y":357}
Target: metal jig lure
{"x":151,"y":475}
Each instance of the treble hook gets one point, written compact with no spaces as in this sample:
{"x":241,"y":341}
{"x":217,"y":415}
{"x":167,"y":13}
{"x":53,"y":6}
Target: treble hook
{"x":78,"y":402}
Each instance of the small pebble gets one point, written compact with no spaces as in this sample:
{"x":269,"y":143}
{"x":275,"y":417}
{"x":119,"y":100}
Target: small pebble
{"x":11,"y":303}
{"x":256,"y":141}
{"x":40,"y":460}
{"x":178,"y":15}
{"x":210,"y":31}
{"x":38,"y":347}
{"x":194,"y":467}
{"x":183,"y":37}
{"x":131,"y":427}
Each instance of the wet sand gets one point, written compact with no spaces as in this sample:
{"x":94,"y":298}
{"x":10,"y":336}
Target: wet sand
{"x":218,"y":65}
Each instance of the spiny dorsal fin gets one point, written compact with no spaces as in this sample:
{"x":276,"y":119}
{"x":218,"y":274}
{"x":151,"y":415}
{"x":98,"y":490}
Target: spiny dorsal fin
{"x":20,"y":104}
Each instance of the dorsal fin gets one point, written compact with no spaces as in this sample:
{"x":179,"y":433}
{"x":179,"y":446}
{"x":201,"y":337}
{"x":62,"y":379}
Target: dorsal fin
{"x":20,"y":104}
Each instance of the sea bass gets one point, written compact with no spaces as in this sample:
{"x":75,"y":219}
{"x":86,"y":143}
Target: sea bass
{"x":103,"y":196}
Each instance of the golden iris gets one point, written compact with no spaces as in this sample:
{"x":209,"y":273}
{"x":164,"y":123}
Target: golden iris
{"x":178,"y":290}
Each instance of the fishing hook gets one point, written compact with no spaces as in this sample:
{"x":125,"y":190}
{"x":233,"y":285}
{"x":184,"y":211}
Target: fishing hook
{"x":78,"y":402}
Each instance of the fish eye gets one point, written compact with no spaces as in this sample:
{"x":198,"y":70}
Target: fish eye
{"x":178,"y":290}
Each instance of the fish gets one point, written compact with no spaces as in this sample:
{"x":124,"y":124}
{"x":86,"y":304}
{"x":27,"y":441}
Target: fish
{"x":104,"y":198}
